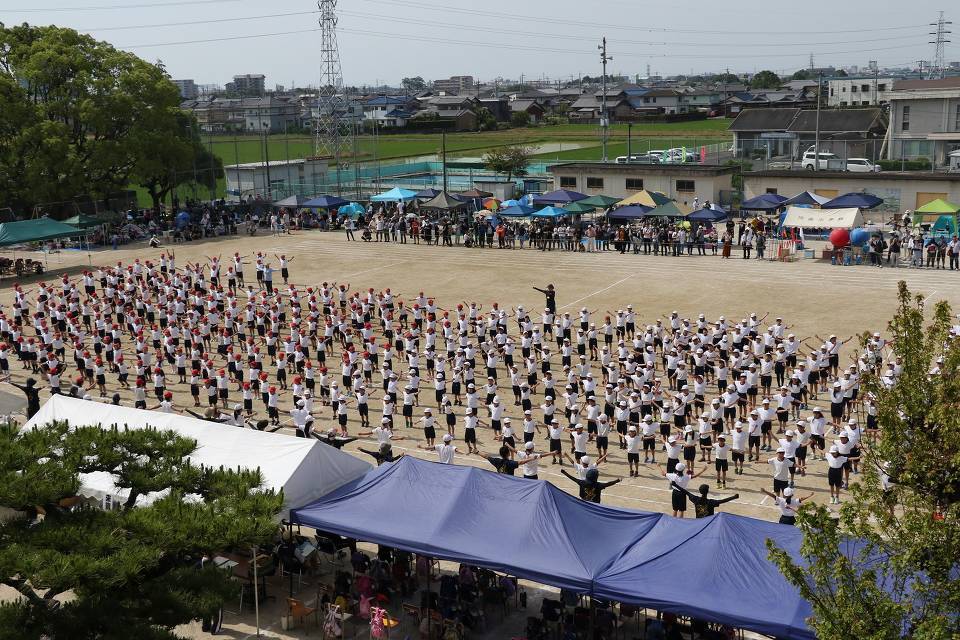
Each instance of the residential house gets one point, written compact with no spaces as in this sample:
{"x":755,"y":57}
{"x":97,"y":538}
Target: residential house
{"x":392,"y":108}
{"x":764,"y":98}
{"x":271,"y":114}
{"x":925,"y":120}
{"x":532,"y":108}
{"x":499,"y":107}
{"x":787,"y":133}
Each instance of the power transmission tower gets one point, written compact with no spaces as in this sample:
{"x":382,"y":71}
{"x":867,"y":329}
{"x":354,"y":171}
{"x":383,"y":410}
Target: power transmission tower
{"x":939,"y":63}
{"x":331,"y":108}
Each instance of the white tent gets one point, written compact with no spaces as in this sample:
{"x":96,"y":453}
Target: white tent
{"x":806,"y":218}
{"x":304,"y":469}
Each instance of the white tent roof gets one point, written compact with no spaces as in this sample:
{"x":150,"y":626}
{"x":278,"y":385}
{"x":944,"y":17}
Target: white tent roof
{"x":304,"y":469}
{"x":806,"y":218}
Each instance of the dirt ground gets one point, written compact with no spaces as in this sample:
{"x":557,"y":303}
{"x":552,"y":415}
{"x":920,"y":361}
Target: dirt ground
{"x":814,"y":298}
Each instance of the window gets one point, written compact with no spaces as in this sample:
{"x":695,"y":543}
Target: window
{"x":594,"y":183}
{"x":956,"y":119}
{"x":686,"y":186}
{"x":634,"y":184}
{"x":831,"y":92}
{"x":853,"y":89}
{"x":568,"y":182}
{"x":864,"y":102}
{"x":865,"y":88}
{"x":772,"y":191}
{"x":843,"y":89}
{"x":881,"y":87}
{"x":905,"y":118}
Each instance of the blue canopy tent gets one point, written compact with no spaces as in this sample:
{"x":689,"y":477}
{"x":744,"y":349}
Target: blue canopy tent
{"x":506,"y":204}
{"x":629,"y":212}
{"x":806,"y":199}
{"x":353,"y":210}
{"x":550,"y":212}
{"x":531,"y":530}
{"x":765,"y":202}
{"x":427,"y":193}
{"x":325,"y":202}
{"x":854,"y":200}
{"x":708,"y":215}
{"x":395,"y":195}
{"x":536,"y":531}
{"x":527,"y":199}
{"x":560,"y":196}
{"x":517,"y":211}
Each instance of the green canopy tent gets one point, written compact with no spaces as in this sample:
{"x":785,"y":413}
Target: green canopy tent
{"x":579,"y":207}
{"x":940,"y":206}
{"x":35,"y":231}
{"x":599,"y":201}
{"x":83,"y":221}
{"x":669,"y":210}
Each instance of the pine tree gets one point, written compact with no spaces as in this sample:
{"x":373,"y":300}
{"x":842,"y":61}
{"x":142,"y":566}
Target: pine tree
{"x":133,"y":572}
{"x":900,"y":579}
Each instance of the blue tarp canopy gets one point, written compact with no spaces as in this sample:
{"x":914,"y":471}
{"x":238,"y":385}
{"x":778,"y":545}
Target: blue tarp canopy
{"x":715,"y":568}
{"x":708,"y":215}
{"x":517,"y":211}
{"x":353,"y":210}
{"x":629,"y":212}
{"x":560,"y":196}
{"x":806,"y":198}
{"x":428,"y":193}
{"x":765,"y":202}
{"x":325,"y":202}
{"x":395,"y":195}
{"x":851,"y":200}
{"x":550,"y":212}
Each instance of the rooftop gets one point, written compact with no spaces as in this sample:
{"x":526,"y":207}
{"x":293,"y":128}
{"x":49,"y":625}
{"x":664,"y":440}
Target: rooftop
{"x":648,"y":169}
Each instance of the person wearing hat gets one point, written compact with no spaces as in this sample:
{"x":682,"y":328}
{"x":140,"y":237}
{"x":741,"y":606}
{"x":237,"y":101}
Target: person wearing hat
{"x":632,"y":444}
{"x":818,"y":425}
{"x":677,"y":481}
{"x":845,"y":446}
{"x":649,"y":438}
{"x":503,"y":463}
{"x":445,"y":450}
{"x":788,"y":504}
{"x":738,"y":446}
{"x":530,"y":460}
{"x":789,"y":445}
{"x":721,"y":452}
{"x":781,"y":468}
{"x":703,"y":505}
{"x":835,"y":466}
{"x":590,"y":486}
{"x":673,"y":450}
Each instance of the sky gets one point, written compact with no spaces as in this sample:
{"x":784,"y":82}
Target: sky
{"x":382,"y":41}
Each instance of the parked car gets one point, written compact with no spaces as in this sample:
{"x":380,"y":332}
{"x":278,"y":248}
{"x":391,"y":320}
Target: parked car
{"x":642,"y":158}
{"x":823,"y":158}
{"x":678,"y":154}
{"x":861,"y":165}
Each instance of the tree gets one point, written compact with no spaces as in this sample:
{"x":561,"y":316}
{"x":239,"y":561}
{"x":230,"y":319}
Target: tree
{"x":727,"y":78}
{"x":902,"y":579}
{"x":174,"y":155}
{"x":86,"y":573}
{"x":512,"y":160}
{"x":415,"y":84}
{"x":75,"y":114}
{"x":803,"y":74}
{"x":520,"y":119}
{"x":485,"y":119}
{"x":765,"y":80}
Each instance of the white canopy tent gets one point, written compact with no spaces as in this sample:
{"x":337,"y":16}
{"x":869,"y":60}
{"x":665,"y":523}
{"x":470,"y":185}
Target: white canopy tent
{"x":806,"y":218}
{"x":305,"y":469}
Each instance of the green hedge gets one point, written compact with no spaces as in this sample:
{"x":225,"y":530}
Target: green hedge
{"x":920,"y":164}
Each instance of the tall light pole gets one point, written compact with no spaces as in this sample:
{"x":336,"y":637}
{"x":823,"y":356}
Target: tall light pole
{"x":816,"y":136}
{"x":604,"y":121}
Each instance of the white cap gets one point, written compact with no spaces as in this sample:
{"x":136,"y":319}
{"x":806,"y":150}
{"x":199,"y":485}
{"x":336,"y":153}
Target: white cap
{"x":834,"y":449}
{"x":447,"y":437}
{"x":789,"y":433}
{"x":681,"y":467}
{"x":585,"y":459}
{"x":528,"y":446}
{"x":672,"y":439}
{"x":781,"y":450}
{"x":788,"y":492}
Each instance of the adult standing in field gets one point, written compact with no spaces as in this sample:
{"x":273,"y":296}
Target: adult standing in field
{"x":551,"y":295}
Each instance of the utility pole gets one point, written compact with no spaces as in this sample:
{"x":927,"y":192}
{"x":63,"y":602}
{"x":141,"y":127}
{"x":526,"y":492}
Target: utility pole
{"x":604,"y":120}
{"x":816,"y":139}
{"x":443,"y":151}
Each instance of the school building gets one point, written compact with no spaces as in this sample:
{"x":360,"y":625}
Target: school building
{"x":682,"y":182}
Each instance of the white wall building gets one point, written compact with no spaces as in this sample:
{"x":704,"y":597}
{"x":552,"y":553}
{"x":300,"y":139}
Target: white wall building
{"x":859,"y":91}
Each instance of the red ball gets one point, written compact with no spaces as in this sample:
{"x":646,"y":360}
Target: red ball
{"x":839,"y":238}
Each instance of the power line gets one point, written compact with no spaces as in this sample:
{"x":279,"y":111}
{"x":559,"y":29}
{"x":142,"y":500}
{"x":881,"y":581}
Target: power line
{"x":114,"y":7}
{"x":192,"y":22}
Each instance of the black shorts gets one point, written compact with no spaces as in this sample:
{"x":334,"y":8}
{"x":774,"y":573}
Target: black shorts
{"x":801,"y":453}
{"x":689,"y":453}
{"x":603,"y":442}
{"x":650,"y":444}
{"x":835,"y":476}
{"x":665,"y":429}
{"x":721,"y":465}
{"x":780,"y":485}
{"x":836,"y":410}
{"x":555,"y":445}
{"x":678,"y":500}
{"x":527,"y":437}
{"x":470,"y":436}
{"x":672,"y":464}
{"x":633,"y":457}
{"x":818,"y":441}
{"x":705,"y":441}
{"x":729,"y":412}
{"x":496,"y":425}
{"x":591,"y":426}
{"x":753,"y":441}
{"x":737,"y":456}
{"x":791,"y":520}
{"x":429,"y":433}
{"x":407,"y":411}
{"x":766,"y":427}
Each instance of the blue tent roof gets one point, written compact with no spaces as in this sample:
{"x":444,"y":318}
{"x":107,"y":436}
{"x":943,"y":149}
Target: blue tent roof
{"x":517,"y":211}
{"x":325,"y":202}
{"x":629,"y":212}
{"x":534,"y":530}
{"x":858,"y":200}
{"x":353,"y":209}
{"x":806,"y":198}
{"x":550,"y":212}
{"x":708,"y":215}
{"x":765,"y":202}
{"x":429,"y":192}
{"x":395,"y":195}
{"x":560,"y":196}
{"x":528,"y":529}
